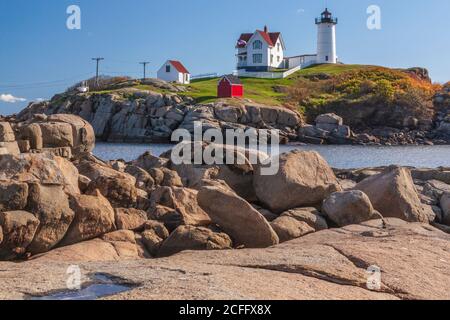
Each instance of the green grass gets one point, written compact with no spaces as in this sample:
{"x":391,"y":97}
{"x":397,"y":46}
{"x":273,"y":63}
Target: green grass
{"x":266,"y":91}
{"x":263,"y":90}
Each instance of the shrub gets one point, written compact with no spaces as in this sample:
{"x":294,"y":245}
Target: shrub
{"x":384,"y":90}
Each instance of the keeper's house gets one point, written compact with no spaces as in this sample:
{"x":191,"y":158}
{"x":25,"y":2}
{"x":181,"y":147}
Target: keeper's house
{"x":174,"y":71}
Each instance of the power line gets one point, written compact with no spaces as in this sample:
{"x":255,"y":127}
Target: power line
{"x":39,"y":84}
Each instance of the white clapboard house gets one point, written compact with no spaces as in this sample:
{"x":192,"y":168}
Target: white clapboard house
{"x":174,"y":71}
{"x":260,"y":51}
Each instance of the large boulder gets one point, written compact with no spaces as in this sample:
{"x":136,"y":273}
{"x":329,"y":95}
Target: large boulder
{"x":70,"y":173}
{"x":297,"y":223}
{"x":153,"y":236}
{"x":9,"y":148}
{"x":13,"y":195}
{"x":303,"y":179}
{"x":232,"y":164}
{"x":39,"y":168}
{"x":93,"y":169}
{"x":329,"y":122}
{"x":33,"y":134}
{"x":143,"y":179}
{"x":58,"y":131}
{"x":130,"y":219}
{"x":120,"y":191}
{"x":237,"y":217}
{"x":182,"y":204}
{"x":83,"y":137}
{"x":393,"y":194}
{"x":349,"y":207}
{"x":148,"y":161}
{"x":18,"y":229}
{"x":56,"y":135}
{"x":445,"y":205}
{"x":50,"y":205}
{"x":125,"y":243}
{"x":94,"y":217}
{"x":6,"y":132}
{"x":194,"y":238}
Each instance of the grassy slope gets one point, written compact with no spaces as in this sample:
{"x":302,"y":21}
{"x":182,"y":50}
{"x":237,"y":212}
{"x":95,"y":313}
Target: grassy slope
{"x":263,"y":90}
{"x":349,"y":83}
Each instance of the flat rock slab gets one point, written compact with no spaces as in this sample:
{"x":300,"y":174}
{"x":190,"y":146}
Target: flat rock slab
{"x":330,"y":264}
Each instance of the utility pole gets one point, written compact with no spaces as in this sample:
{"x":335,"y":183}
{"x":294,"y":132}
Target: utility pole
{"x":145,"y":66}
{"x":96,"y":74}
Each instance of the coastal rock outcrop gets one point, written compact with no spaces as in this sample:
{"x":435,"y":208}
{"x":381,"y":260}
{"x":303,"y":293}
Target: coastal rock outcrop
{"x":145,"y":116}
{"x":331,"y":264}
{"x":84,"y":208}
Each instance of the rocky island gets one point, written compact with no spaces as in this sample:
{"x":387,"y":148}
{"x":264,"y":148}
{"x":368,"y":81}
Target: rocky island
{"x":325,"y":104}
{"x":190,"y":231}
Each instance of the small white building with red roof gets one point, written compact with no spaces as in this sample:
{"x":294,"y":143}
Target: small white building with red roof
{"x":260,"y":51}
{"x":174,"y":71}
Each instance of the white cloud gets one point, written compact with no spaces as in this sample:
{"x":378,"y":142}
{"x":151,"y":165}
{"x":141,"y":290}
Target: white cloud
{"x":9,"y":98}
{"x":40,"y":99}
{"x":299,"y":11}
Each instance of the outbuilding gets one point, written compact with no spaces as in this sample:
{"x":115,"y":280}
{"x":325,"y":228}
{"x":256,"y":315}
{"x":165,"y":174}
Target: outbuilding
{"x":174,"y":71}
{"x":230,"y":86}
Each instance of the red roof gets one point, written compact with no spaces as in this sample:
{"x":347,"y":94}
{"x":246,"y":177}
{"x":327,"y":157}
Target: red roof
{"x":179,"y":66}
{"x":274,"y":37}
{"x":270,"y":37}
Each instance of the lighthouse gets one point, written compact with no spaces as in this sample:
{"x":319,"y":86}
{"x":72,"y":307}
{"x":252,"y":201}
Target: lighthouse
{"x":326,"y":38}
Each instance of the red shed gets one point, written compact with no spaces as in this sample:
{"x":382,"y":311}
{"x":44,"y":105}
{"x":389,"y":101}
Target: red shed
{"x":230,"y":87}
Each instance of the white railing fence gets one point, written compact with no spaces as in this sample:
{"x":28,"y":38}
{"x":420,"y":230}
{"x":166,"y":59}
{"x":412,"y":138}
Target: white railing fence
{"x":268,"y":75}
{"x":204,"y":76}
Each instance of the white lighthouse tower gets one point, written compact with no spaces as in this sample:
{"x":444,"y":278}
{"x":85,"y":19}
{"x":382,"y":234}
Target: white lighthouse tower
{"x":326,"y":38}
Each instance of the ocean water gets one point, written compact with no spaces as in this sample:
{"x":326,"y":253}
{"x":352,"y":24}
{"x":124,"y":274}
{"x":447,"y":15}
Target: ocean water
{"x":343,"y":157}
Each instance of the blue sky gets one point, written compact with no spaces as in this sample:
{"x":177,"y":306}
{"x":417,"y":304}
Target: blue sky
{"x":40,"y":57}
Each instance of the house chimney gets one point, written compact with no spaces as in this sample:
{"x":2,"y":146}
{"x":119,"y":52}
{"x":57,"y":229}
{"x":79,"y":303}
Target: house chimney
{"x":266,"y":29}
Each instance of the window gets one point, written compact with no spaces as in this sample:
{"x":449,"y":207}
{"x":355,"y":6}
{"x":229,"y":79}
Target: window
{"x":278,"y":46}
{"x":257,"y":45}
{"x":326,"y":58}
{"x":167,"y":68}
{"x":257,"y":58}
{"x":186,"y":77}
{"x":278,"y":58}
{"x":271,"y":58}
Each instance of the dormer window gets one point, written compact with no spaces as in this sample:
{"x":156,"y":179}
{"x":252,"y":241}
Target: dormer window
{"x":257,"y":45}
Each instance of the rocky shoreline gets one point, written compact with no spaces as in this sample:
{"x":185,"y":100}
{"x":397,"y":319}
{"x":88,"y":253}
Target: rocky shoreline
{"x":59,"y":204}
{"x":133,"y":115}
